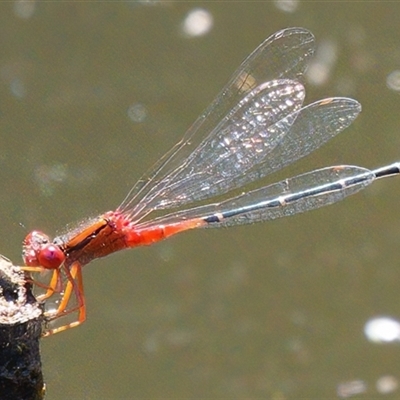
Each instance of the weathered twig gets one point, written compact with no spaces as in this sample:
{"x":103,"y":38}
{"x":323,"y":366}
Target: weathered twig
{"x":21,"y":320}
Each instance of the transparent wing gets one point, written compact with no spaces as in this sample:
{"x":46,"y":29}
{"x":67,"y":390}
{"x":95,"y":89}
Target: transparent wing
{"x":295,"y":195}
{"x":291,"y":196}
{"x":315,"y":124}
{"x":242,"y":140}
{"x":283,"y":55}
{"x":220,"y":165}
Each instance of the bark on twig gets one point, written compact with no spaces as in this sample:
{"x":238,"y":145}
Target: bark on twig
{"x":21,"y":321}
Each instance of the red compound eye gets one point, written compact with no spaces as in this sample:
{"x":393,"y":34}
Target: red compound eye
{"x":51,"y":257}
{"x":32,"y":246}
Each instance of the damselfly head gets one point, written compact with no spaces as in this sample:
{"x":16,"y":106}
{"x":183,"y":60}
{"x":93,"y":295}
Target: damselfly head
{"x":38,"y":251}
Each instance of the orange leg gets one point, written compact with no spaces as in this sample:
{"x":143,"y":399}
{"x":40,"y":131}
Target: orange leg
{"x":51,"y":288}
{"x":74,"y":285}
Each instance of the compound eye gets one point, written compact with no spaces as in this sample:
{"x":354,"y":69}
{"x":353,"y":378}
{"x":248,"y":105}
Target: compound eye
{"x":32,"y":246}
{"x":51,"y":256}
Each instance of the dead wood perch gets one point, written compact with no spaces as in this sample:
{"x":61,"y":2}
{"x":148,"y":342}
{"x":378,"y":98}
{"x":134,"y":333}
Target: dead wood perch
{"x":21,"y":321}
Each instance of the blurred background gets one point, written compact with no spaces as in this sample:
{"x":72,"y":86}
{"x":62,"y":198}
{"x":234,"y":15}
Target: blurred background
{"x":92,"y":94}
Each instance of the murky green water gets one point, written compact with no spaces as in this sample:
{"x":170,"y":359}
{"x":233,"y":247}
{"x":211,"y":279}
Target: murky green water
{"x":92,"y":94}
